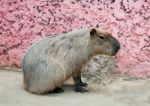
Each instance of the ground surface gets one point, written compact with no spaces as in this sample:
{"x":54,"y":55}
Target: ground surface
{"x":118,"y":93}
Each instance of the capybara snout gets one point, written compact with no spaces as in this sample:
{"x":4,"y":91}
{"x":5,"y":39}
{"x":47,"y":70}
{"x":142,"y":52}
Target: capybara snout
{"x":115,"y":46}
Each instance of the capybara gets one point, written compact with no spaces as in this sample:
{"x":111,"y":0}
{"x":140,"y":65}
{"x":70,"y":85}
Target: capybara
{"x":48,"y":63}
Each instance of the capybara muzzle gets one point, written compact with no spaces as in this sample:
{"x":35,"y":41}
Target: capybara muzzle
{"x":115,"y":46}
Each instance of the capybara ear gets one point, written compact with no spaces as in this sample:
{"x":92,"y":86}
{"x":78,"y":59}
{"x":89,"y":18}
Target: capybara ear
{"x":93,"y":32}
{"x":97,"y":26}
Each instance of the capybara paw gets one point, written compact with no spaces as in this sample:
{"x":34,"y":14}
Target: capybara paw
{"x":58,"y":90}
{"x":81,"y":89}
{"x":83,"y":84}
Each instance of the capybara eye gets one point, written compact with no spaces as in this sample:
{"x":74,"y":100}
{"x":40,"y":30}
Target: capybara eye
{"x":101,"y":37}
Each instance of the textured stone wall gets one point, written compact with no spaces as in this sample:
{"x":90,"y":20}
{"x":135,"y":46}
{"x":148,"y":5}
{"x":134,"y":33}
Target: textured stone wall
{"x":24,"y":21}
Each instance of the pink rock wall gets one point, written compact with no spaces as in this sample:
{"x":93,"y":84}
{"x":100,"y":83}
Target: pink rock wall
{"x":24,"y":21}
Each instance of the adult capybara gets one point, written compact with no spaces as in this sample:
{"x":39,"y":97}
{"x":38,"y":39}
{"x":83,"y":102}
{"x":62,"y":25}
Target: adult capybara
{"x":48,"y":63}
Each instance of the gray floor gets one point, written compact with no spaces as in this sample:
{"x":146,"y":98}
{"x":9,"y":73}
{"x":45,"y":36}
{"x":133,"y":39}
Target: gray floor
{"x":118,"y":93}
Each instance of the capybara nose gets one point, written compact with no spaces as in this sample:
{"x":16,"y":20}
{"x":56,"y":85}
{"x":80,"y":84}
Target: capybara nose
{"x":116,"y":46}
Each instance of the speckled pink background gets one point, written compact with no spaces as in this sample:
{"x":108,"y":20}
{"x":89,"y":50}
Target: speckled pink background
{"x":24,"y":21}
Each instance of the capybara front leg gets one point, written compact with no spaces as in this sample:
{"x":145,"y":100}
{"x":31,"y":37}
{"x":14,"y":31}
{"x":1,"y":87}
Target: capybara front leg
{"x":79,"y":85}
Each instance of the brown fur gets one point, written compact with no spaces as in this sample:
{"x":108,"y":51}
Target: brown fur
{"x":48,"y":63}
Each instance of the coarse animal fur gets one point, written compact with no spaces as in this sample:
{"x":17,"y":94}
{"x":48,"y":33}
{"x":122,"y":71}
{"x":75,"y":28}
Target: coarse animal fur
{"x":48,"y":63}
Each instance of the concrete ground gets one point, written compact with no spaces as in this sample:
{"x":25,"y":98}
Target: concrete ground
{"x":117,"y":93}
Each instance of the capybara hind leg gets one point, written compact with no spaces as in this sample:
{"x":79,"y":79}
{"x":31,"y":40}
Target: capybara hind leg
{"x":57,"y":90}
{"x":79,"y":85}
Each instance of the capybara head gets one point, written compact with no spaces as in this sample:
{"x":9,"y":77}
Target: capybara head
{"x":103,"y":42}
